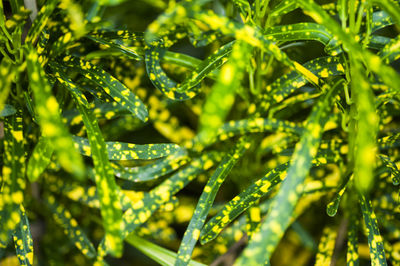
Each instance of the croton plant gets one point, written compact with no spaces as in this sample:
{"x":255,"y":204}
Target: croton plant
{"x":224,"y":132}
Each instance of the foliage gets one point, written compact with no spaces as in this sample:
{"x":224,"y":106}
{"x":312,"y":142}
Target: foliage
{"x":114,"y":132}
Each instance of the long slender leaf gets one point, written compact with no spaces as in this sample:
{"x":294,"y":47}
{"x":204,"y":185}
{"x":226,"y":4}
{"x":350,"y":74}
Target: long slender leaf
{"x":264,"y":241}
{"x":128,"y":151}
{"x":118,"y":91}
{"x":326,"y":246}
{"x":71,"y":228}
{"x":375,"y":242}
{"x":206,"y":199}
{"x":49,"y":117}
{"x":23,"y":240}
{"x":107,"y":188}
{"x":40,"y":159}
{"x":13,"y":176}
{"x":161,"y":255}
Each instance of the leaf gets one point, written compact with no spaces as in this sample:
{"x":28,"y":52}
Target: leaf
{"x":143,"y":209}
{"x":71,"y":228}
{"x":41,"y":20}
{"x":160,"y":255}
{"x":110,"y":85}
{"x":272,"y":229}
{"x":375,"y":243}
{"x":326,"y":246}
{"x":154,"y":170}
{"x":242,"y":202}
{"x":128,"y":151}
{"x":392,"y":167}
{"x":49,"y":117}
{"x":333,"y":205}
{"x":189,"y":87}
{"x":373,"y":62}
{"x":68,"y":84}
{"x":13,"y":176}
{"x":299,"y":31}
{"x":23,"y":240}
{"x":7,"y":71}
{"x":363,"y":140}
{"x":105,"y":182}
{"x":277,"y":91}
{"x":352,"y":241}
{"x":222,"y":96}
{"x":206,"y":199}
{"x":40,"y":159}
{"x":245,"y":126}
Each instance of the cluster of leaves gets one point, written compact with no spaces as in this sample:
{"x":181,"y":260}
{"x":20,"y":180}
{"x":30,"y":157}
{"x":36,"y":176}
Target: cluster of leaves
{"x":291,"y":115}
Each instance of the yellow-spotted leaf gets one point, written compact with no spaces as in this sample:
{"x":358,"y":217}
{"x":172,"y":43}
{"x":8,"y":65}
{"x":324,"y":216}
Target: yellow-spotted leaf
{"x":106,"y":187}
{"x":13,"y":177}
{"x":40,"y":159}
{"x":118,"y":91}
{"x":23,"y":241}
{"x":75,"y":234}
{"x":49,"y":117}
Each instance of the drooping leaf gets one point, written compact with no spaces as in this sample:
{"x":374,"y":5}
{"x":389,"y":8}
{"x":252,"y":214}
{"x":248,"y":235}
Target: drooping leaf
{"x":49,"y":117}
{"x":206,"y":199}
{"x":326,"y":246}
{"x":118,"y":91}
{"x":264,"y":241}
{"x":13,"y":176}
{"x":74,"y":232}
{"x":129,"y":151}
{"x":161,"y":255}
{"x":40,"y":159}
{"x":375,"y":242}
{"x":105,"y":182}
{"x":23,"y":241}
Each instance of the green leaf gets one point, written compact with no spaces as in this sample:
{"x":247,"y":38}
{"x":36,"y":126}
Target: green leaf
{"x":272,"y":229}
{"x":299,"y":31}
{"x":13,"y":176}
{"x":118,"y":91}
{"x":242,"y":202}
{"x":326,"y":246}
{"x":206,"y":200}
{"x":245,"y":126}
{"x":71,"y":228}
{"x":144,"y":208}
{"x":352,"y":241}
{"x":392,"y":167}
{"x":160,"y":255}
{"x":67,"y":83}
{"x":40,"y":159}
{"x":362,"y":139}
{"x":222,"y":96}
{"x":23,"y":240}
{"x":128,"y":151}
{"x":333,"y":205}
{"x":105,"y":182}
{"x":49,"y":117}
{"x":277,"y":91}
{"x":375,"y":241}
{"x":373,"y":62}
{"x":154,"y":170}
{"x":41,"y":20}
{"x":7,"y":71}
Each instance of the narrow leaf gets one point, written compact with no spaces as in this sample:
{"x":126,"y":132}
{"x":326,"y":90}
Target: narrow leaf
{"x":118,"y":91}
{"x":49,"y":117}
{"x":206,"y":200}
{"x":107,"y":188}
{"x":40,"y":159}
